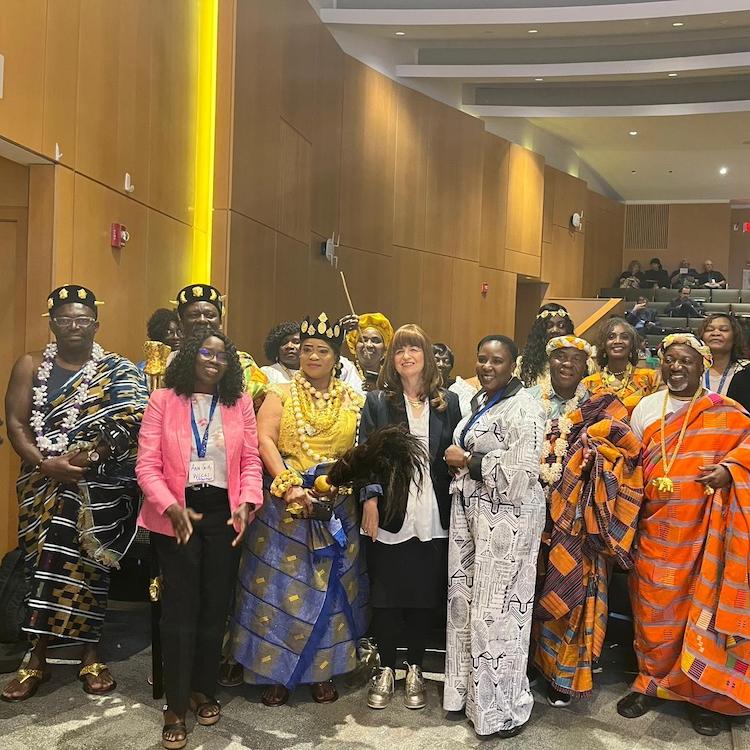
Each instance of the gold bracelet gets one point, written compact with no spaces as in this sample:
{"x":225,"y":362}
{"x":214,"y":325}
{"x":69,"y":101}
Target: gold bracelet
{"x":284,"y":480}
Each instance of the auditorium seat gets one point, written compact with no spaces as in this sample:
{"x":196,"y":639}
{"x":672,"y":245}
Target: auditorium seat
{"x":717,"y":307}
{"x":671,"y":323}
{"x":653,"y":341}
{"x":658,"y":306}
{"x":725,"y":295}
{"x":609,"y":292}
{"x":745,"y":295}
{"x":665,"y":295}
{"x":741,"y":309}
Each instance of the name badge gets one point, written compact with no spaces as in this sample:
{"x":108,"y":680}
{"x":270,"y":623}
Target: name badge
{"x":201,"y":472}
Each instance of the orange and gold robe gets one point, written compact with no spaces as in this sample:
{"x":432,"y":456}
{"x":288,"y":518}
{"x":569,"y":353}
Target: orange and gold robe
{"x":641,"y":382}
{"x":690,"y":588}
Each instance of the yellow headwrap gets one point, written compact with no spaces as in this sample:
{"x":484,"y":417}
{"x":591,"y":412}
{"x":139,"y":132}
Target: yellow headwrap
{"x":370,"y":320}
{"x":568,"y":342}
{"x":689,"y":340}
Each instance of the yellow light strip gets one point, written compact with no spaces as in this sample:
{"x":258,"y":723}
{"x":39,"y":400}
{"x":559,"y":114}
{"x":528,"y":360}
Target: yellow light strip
{"x":205,"y":140}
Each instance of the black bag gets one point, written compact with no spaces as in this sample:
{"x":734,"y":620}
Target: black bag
{"x":12,"y":597}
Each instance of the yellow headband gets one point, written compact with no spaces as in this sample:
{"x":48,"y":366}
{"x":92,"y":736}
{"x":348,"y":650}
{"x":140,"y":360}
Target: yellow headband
{"x":568,"y":342}
{"x":370,"y":320}
{"x":689,"y":340}
{"x":552,"y":313}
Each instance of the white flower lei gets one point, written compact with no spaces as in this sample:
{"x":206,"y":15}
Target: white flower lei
{"x":60,"y":444}
{"x":551,"y":473}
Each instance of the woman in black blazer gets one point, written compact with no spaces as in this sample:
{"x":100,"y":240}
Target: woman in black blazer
{"x":408,"y":536}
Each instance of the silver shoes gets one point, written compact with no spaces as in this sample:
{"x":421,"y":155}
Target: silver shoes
{"x":381,"y":688}
{"x":416,"y":692}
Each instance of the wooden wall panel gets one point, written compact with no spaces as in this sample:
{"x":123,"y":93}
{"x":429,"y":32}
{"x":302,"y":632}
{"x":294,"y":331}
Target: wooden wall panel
{"x":407,"y":286}
{"x":326,"y":128}
{"x":549,"y":202}
{"x":562,"y":263}
{"x":116,"y":276}
{"x":295,"y":181}
{"x":525,"y":201}
{"x":497,"y":310}
{"x":523,"y":264}
{"x":570,"y":196}
{"x":225,"y":58}
{"x":220,"y":249}
{"x":604,"y":231}
{"x":293,"y":291}
{"x":414,"y":114}
{"x":494,"y":201}
{"x":465,"y":302}
{"x":61,"y":79}
{"x":436,"y":314}
{"x":325,"y":284}
{"x":454,"y":183}
{"x":252,"y":297}
{"x":98,"y":79}
{"x":367,"y":159}
{"x":257,"y":109}
{"x":63,"y":226}
{"x":22,"y":45}
{"x":14,"y":184}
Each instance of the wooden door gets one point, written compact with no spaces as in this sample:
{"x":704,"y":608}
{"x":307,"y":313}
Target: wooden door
{"x":13,"y":291}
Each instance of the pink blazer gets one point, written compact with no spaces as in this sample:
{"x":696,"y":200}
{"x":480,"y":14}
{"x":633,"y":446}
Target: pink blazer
{"x":164,"y":446}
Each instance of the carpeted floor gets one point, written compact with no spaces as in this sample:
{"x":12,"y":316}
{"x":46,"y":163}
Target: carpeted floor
{"x":62,"y":716}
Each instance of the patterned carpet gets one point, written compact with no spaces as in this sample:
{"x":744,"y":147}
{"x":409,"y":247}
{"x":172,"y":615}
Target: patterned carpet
{"x":63,"y":717}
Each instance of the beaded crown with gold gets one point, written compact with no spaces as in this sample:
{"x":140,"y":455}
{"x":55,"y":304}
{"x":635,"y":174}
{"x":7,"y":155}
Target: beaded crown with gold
{"x":321,"y":328}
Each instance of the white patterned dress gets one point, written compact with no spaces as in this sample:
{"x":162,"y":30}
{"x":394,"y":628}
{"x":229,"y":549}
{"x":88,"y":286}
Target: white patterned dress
{"x":495,"y":532}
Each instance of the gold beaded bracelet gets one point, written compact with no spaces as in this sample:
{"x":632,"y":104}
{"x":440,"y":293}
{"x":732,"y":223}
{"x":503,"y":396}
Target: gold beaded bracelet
{"x":284,"y":480}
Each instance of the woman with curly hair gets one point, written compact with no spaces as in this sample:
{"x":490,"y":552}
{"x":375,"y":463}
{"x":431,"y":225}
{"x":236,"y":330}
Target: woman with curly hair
{"x":723,"y":335}
{"x":282,"y":350}
{"x":407,"y":549}
{"x":164,"y":337}
{"x":201,"y":475}
{"x":617,"y":357}
{"x":552,"y":320}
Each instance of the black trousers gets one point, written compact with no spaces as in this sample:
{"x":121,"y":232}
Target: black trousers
{"x":394,"y":626}
{"x":198,"y":579}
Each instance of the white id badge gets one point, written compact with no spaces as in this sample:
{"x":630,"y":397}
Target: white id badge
{"x":201,"y":471}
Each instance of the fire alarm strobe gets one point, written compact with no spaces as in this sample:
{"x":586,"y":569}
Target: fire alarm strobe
{"x":119,"y":235}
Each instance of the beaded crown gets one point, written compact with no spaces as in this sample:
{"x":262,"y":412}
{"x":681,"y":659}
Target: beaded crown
{"x":321,"y":328}
{"x":65,"y":295}
{"x":199,"y":293}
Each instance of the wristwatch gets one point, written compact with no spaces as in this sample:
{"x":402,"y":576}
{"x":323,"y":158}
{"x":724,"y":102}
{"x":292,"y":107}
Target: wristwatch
{"x":92,"y":456}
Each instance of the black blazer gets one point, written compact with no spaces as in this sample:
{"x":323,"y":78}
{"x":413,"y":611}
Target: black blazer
{"x":739,"y":388}
{"x":379,"y":412}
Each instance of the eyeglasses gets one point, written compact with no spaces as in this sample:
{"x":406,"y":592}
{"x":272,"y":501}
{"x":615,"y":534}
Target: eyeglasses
{"x":222,"y":358}
{"x":65,"y":322}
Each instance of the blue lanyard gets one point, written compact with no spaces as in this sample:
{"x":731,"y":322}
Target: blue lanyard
{"x":723,"y":378}
{"x":202,"y":444}
{"x":478,"y":413}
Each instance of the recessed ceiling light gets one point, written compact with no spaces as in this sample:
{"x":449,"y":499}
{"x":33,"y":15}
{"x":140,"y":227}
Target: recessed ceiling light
{"x":672,"y":75}
{"x":723,"y":170}
{"x":678,"y":24}
{"x":400,"y":33}
{"x":533,"y":31}
{"x":539,"y":79}
{"x":633,"y":132}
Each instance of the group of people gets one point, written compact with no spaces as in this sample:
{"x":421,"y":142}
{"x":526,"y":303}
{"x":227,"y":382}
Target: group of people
{"x":657,"y":277}
{"x":316,"y":514}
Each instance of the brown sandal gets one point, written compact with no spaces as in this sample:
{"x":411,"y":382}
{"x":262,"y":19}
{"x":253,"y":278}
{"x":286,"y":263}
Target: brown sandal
{"x":95,"y":670}
{"x":178,"y":728}
{"x":24,"y":675}
{"x":324,"y":692}
{"x":202,"y":712}
{"x":275,"y":695}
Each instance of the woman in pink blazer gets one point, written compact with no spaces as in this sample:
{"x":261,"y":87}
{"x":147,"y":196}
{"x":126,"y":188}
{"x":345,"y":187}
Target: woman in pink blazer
{"x":201,"y":475}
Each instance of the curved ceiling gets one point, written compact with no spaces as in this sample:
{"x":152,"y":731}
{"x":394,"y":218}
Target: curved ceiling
{"x":564,"y":63}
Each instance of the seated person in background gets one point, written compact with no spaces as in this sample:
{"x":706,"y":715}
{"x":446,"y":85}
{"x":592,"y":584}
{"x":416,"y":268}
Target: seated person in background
{"x":683,"y":306}
{"x":657,"y":277}
{"x":641,"y":317}
{"x":683,"y":275}
{"x":711,"y":279}
{"x":632,"y":277}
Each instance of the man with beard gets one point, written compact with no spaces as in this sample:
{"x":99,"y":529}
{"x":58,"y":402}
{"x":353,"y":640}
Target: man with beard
{"x":689,"y":589}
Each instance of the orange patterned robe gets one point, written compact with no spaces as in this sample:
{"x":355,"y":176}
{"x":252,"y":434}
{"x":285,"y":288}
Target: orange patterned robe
{"x":690,"y":591}
{"x":642,"y":382}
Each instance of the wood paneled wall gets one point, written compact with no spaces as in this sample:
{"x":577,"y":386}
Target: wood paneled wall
{"x":106,"y":114}
{"x":426,"y":204}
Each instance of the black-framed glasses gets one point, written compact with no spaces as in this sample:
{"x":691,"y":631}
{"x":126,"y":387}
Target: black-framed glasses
{"x":221,"y":358}
{"x":83,"y":321}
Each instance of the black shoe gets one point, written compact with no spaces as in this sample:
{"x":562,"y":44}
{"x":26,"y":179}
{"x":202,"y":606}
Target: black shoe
{"x":504,"y":734}
{"x":556,"y":698}
{"x":705,"y":722}
{"x":634,"y":705}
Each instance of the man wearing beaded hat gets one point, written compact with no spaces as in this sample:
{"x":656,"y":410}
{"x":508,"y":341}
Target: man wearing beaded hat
{"x":689,"y":588}
{"x":591,"y":475}
{"x":203,"y":305}
{"x":73,"y":416}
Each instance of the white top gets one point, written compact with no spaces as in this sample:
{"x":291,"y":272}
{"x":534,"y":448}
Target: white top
{"x":215,"y":449}
{"x":649,"y":409}
{"x":465,"y":392}
{"x":422,"y":514}
{"x":350,"y":375}
{"x":277,"y":373}
{"x":713,"y":380}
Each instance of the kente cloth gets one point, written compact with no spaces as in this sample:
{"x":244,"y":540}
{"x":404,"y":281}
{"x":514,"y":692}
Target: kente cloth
{"x":591,"y":525}
{"x":495,"y":530}
{"x":256,"y":381}
{"x":302,"y":595}
{"x":70,"y":535}
{"x":631,"y":389}
{"x":689,"y":589}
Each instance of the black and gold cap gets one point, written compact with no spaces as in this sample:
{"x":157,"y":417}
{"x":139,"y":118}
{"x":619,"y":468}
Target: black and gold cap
{"x":65,"y":295}
{"x":321,"y":328}
{"x":199,"y":293}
